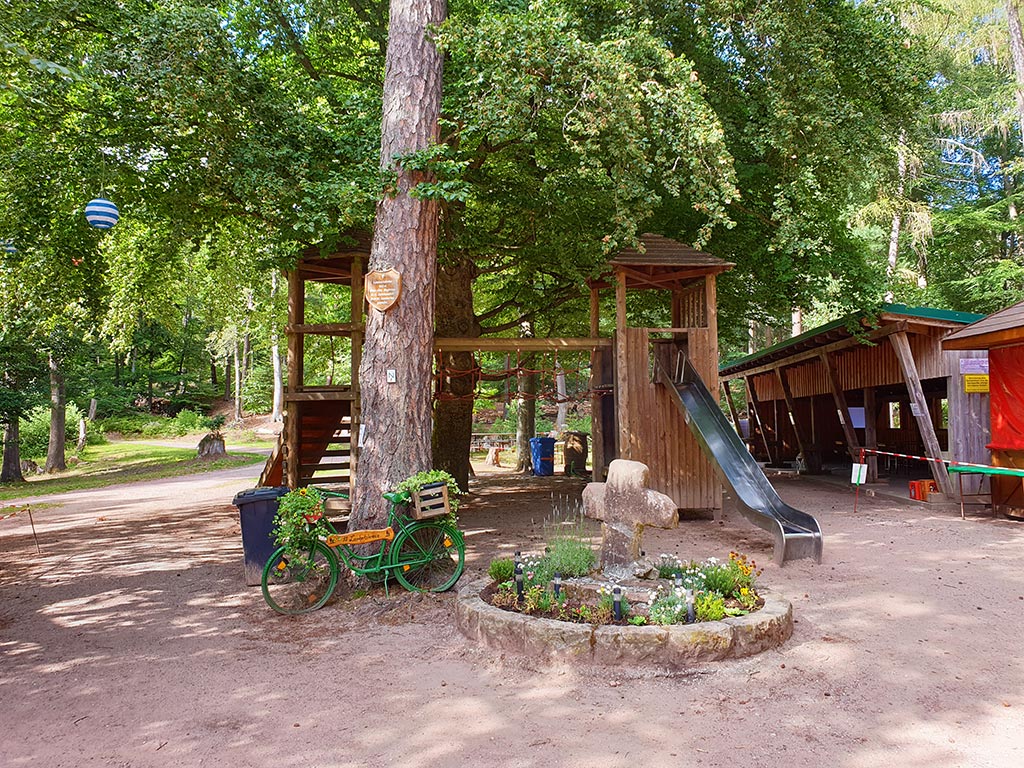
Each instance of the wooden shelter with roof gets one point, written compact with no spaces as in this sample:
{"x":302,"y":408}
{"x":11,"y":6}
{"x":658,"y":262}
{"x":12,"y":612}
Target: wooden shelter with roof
{"x":880,"y":382}
{"x":642,"y":420}
{"x":1000,"y":339}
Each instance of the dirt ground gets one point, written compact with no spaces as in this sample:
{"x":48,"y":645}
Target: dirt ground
{"x":131,"y":641}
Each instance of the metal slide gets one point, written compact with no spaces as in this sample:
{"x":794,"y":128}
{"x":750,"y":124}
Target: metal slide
{"x":796,"y":533}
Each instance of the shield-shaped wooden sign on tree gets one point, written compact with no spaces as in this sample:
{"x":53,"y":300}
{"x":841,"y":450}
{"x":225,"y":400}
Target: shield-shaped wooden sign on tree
{"x":383,"y":288}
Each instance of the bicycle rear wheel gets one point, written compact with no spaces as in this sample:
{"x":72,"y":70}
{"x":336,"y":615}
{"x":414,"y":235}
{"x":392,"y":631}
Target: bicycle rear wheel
{"x":294,"y":585}
{"x":428,"y":557}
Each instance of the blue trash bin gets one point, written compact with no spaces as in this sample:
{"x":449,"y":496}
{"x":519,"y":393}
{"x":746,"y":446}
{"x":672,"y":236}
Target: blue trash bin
{"x":542,"y":452}
{"x":256,"y":508}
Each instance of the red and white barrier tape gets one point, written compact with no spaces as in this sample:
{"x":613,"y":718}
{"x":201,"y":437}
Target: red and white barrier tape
{"x":926,"y":458}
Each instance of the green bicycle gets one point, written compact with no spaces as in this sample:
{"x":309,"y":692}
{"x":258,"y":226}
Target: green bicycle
{"x":424,"y":554}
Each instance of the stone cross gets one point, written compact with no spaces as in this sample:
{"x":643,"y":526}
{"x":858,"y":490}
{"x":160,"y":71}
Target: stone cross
{"x":624,"y":505}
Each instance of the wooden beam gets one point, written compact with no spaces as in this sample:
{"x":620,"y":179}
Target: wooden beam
{"x":816,"y":352}
{"x":296,"y":316}
{"x":754,"y":403}
{"x":308,"y":396}
{"x":675,"y":329}
{"x":596,"y":379}
{"x":662,"y":280}
{"x":324,"y":270}
{"x":919,"y":409}
{"x":1000,"y":338}
{"x":581,"y":344}
{"x":321,"y":329}
{"x":622,"y":394}
{"x":812,"y":458}
{"x":842,"y":410}
{"x":732,"y":409}
{"x":871,"y":433}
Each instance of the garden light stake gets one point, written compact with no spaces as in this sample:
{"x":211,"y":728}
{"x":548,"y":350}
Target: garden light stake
{"x":617,"y":603}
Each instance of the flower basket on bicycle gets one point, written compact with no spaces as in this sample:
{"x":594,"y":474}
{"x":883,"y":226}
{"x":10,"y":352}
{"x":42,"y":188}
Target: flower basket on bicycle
{"x":430,"y":501}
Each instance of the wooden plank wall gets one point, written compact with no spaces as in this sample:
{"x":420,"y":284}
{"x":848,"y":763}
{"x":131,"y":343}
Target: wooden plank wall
{"x":970,"y":426}
{"x":860,"y":367}
{"x":658,"y":433}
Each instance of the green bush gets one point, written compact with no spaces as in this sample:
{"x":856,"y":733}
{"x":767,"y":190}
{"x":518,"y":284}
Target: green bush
{"x":501,"y":569}
{"x":189,"y":421}
{"x":34,"y":430}
{"x":111,"y":400}
{"x":668,"y":609}
{"x":570,"y":556}
{"x":141,"y":425}
{"x":709,"y":606}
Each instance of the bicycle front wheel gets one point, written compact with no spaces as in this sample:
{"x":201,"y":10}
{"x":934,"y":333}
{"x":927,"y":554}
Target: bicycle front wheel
{"x":428,"y":557}
{"x":300,"y":584}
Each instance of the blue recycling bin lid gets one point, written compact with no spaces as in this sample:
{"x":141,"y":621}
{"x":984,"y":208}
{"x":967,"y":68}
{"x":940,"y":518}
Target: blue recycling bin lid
{"x":263,"y":493}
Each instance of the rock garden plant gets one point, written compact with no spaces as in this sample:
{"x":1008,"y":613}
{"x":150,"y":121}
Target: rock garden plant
{"x":686,"y":592}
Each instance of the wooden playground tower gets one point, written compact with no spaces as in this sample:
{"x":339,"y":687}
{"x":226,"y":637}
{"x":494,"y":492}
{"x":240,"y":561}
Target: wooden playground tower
{"x":632,"y":416}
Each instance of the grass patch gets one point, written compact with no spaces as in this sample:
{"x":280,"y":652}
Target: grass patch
{"x":128,"y":462}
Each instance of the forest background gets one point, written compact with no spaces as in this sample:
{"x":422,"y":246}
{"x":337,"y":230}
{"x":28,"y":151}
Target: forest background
{"x":841,"y":154}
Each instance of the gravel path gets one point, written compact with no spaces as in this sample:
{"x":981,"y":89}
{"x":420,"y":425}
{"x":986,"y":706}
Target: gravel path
{"x":131,"y":641}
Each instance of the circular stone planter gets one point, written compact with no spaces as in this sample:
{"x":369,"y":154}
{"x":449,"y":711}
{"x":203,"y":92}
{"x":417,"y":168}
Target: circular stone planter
{"x":673,"y":645}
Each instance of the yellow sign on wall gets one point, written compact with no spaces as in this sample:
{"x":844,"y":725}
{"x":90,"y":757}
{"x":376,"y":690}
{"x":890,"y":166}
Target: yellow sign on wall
{"x":976,"y":383}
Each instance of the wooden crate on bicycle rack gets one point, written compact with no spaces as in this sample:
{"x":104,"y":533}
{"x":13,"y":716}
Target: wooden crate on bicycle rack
{"x":430,"y":501}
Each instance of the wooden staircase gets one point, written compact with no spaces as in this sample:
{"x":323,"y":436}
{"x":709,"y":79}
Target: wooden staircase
{"x":323,"y":434}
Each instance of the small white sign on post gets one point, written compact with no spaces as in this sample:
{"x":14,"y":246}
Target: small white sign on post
{"x":859,"y":475}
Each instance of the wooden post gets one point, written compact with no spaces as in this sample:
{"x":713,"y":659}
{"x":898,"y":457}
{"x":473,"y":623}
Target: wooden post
{"x":596,"y":379}
{"x":842,"y":410}
{"x":756,"y":420}
{"x":919,"y":409}
{"x":732,"y":408}
{"x":296,"y":316}
{"x":871,"y":433}
{"x":622,"y":394}
{"x":812,"y":459}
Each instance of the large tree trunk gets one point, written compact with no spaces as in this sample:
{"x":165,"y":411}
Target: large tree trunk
{"x":897,"y":218}
{"x":453,"y":411}
{"x":277,"y":412}
{"x":526,"y":417}
{"x":238,"y":383}
{"x":55,"y":459}
{"x":397,"y":414}
{"x":10,"y":472}
{"x":563,"y":398}
{"x":1017,"y":54}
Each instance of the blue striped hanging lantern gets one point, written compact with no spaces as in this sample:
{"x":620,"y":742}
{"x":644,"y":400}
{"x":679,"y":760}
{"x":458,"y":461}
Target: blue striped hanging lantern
{"x":101,"y":213}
